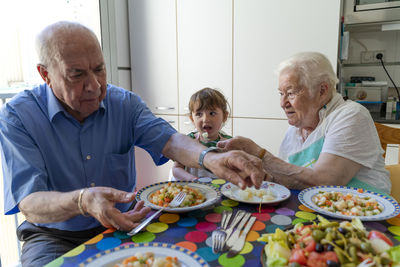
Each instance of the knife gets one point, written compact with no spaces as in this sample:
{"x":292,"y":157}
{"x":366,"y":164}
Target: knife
{"x":238,"y":246}
{"x":235,"y":235}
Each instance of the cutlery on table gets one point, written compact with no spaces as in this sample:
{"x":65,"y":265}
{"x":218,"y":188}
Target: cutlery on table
{"x":219,"y":235}
{"x":174,"y":203}
{"x":235,"y":235}
{"x":236,"y":219}
{"x":239,"y":243}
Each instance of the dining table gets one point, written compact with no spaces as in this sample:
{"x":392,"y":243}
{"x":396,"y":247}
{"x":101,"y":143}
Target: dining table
{"x":193,"y":230}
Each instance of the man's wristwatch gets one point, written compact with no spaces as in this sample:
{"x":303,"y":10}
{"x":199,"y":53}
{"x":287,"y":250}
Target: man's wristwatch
{"x":203,"y":154}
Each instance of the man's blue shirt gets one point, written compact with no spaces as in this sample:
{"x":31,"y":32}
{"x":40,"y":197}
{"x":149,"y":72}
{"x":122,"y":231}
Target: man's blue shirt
{"x":45,"y":149}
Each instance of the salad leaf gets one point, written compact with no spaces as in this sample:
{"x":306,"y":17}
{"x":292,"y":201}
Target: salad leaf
{"x":394,"y":254}
{"x":278,"y":253}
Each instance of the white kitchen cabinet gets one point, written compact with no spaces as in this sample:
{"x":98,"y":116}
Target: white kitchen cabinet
{"x":124,"y":79}
{"x":266,"y":133}
{"x":204,"y":48}
{"x":267,"y":32}
{"x":147,"y":172}
{"x":152,"y":30}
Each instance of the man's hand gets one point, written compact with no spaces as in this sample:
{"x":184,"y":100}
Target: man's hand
{"x":237,"y":167}
{"x":100,"y":202}
{"x":240,"y":143}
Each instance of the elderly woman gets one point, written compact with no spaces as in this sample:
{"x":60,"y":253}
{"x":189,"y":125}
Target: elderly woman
{"x":329,"y":141}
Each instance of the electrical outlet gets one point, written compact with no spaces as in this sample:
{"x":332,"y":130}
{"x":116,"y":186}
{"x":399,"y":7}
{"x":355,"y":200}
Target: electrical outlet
{"x":370,"y":56}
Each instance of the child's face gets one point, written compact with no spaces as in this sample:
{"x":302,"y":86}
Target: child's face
{"x":208,"y":120}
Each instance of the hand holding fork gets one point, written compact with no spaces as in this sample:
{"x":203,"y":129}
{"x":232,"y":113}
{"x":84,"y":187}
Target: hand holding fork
{"x":174,"y":203}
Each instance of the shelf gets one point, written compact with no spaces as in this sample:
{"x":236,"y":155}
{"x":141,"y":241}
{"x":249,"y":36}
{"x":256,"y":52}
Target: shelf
{"x":372,"y":64}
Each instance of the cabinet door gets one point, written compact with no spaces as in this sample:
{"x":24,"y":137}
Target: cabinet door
{"x":152,"y":28}
{"x":266,"y":133}
{"x":186,"y":126}
{"x":147,"y":172}
{"x":204,"y":48}
{"x":267,"y":32}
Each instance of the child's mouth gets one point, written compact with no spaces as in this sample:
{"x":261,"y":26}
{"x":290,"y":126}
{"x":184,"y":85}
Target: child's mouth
{"x":207,"y":128}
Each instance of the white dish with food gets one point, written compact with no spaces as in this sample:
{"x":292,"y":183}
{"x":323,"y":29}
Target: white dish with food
{"x":115,"y":256}
{"x":267,"y":194}
{"x":210,"y":193}
{"x":348,"y":202}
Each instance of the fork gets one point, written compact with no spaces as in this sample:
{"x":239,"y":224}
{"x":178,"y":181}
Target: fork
{"x":174,"y":203}
{"x":219,"y":235}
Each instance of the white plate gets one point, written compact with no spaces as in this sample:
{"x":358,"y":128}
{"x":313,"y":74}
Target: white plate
{"x":390,"y":206}
{"x":281,"y":193}
{"x":110,"y":257}
{"x":211,"y":194}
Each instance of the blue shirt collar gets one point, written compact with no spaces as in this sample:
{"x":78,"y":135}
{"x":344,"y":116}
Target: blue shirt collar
{"x":54,"y":106}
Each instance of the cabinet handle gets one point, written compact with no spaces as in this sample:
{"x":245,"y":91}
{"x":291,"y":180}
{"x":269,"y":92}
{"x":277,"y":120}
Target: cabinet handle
{"x":171,"y":122}
{"x":165,"y":108}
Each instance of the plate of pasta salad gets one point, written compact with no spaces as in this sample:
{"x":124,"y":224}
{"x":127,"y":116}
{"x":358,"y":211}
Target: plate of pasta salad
{"x":153,"y":254}
{"x":198,"y":195}
{"x":268,"y":193}
{"x":348,"y":202}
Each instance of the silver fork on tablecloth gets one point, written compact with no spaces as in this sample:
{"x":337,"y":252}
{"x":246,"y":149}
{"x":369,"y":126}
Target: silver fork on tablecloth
{"x":219,"y":235}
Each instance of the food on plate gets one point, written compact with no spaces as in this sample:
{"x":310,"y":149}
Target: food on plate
{"x":250,"y":193}
{"x":347,"y":203}
{"x":331,"y":244}
{"x":148,"y":260}
{"x":166,"y":194}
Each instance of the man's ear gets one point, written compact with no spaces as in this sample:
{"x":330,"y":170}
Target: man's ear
{"x":43,"y":73}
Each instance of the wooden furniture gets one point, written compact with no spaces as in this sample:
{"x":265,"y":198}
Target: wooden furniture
{"x":390,"y":135}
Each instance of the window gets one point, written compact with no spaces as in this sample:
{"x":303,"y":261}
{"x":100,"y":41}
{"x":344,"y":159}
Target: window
{"x":21,"y":21}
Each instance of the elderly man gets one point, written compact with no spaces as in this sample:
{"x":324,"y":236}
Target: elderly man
{"x":68,"y":149}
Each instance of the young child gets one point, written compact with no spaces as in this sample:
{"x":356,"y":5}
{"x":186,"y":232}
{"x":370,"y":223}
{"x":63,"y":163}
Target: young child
{"x":208,"y":111}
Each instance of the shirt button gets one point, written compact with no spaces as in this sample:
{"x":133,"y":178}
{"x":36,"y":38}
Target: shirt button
{"x":92,"y":184}
{"x":88,"y":157}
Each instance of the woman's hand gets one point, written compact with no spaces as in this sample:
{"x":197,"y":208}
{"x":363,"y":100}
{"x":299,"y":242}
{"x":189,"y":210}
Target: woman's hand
{"x":100,"y":203}
{"x":240,"y":143}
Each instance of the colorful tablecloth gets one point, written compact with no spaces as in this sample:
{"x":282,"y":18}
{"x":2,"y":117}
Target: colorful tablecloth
{"x":193,"y":231}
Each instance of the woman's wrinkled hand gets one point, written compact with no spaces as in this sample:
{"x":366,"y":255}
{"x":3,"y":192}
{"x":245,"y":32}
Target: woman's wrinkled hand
{"x":240,"y":143}
{"x":100,"y":202}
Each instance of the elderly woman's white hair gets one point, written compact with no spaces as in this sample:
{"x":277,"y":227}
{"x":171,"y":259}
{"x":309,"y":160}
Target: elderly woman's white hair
{"x":51,"y":38}
{"x":313,"y":68}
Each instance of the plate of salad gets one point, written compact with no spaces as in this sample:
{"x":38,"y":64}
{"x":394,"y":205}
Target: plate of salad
{"x":347,"y":202}
{"x":198,"y":195}
{"x":329,"y":243}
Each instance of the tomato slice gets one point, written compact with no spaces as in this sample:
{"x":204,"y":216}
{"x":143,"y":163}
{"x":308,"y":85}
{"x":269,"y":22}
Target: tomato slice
{"x":376,"y":234}
{"x":316,"y":259}
{"x":298,"y":256}
{"x":311,"y":245}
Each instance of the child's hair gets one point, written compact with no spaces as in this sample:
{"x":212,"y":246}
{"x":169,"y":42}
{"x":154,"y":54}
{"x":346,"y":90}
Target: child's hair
{"x":208,"y":98}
